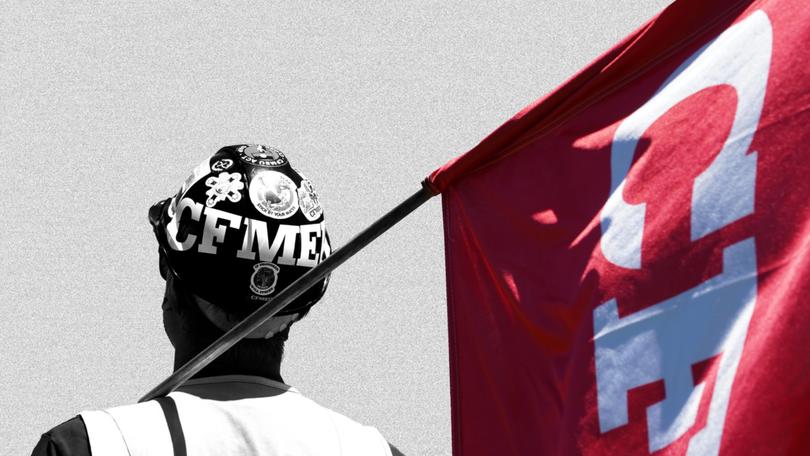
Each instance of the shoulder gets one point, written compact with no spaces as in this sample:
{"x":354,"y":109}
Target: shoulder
{"x":394,"y":450}
{"x":66,"y":439}
{"x":359,"y":438}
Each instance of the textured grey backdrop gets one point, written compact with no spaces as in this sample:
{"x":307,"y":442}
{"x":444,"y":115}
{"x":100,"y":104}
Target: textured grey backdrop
{"x":107,"y":106}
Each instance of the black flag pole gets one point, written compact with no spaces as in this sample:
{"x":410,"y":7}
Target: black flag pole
{"x":287,"y":295}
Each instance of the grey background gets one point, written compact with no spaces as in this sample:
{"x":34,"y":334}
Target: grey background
{"x":106,"y":107}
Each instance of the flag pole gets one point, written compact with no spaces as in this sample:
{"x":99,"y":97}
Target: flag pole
{"x":273,"y":306}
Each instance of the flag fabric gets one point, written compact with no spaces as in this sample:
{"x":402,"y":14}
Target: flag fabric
{"x":628,"y":264}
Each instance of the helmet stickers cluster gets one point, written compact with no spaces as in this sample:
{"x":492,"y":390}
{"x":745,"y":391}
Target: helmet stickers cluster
{"x":243,"y":226}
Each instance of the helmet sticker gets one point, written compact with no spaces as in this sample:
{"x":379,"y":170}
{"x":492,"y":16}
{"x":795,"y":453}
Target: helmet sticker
{"x":310,"y":205}
{"x":224,"y":186}
{"x":259,"y":155}
{"x":222,"y":165}
{"x":273,"y":194}
{"x":264,"y":277}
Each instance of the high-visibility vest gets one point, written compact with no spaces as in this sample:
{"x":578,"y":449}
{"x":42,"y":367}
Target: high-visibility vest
{"x":281,"y":423}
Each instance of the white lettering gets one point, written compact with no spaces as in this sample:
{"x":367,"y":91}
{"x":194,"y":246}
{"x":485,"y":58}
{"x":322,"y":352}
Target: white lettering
{"x":326,"y":249}
{"x":214,"y":231}
{"x":308,"y":244}
{"x":740,"y":57}
{"x":172,"y":226}
{"x":286,"y":234}
{"x":666,"y":340}
{"x":256,"y":230}
{"x":255,"y":236}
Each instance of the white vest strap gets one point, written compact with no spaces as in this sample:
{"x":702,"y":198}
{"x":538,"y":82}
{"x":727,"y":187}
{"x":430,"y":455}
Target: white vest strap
{"x":103,"y":434}
{"x":130,"y":430}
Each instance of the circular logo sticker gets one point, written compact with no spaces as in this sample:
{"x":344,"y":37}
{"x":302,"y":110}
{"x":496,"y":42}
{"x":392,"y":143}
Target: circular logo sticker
{"x":264,"y":277}
{"x":310,"y":206}
{"x":273,"y":194}
{"x":259,"y":155}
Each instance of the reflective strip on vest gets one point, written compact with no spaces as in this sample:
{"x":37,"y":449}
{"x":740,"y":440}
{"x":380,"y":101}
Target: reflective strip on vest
{"x":103,"y":434}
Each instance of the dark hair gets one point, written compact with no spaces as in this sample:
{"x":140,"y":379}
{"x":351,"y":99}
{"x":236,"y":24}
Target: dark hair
{"x":186,"y":324}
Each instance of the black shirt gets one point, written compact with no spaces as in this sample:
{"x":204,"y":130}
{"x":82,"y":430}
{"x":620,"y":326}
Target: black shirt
{"x":67,"y":439}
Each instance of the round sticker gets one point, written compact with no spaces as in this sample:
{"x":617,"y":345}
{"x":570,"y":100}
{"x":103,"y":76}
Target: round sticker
{"x":274,"y":194}
{"x":310,"y":206}
{"x":259,"y":155}
{"x":264,"y":277}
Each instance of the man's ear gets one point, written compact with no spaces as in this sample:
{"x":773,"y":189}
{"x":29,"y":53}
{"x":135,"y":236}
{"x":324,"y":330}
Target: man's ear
{"x":176,"y":297}
{"x":169,"y":295}
{"x":172,"y":323}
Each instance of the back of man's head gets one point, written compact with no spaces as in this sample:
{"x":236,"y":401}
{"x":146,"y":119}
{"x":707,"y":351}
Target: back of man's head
{"x":243,"y":226}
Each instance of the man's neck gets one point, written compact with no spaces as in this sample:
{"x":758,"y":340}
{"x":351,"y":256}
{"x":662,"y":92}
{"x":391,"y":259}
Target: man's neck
{"x":219,"y":367}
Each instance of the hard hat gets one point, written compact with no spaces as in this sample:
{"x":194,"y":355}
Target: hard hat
{"x":244,"y":225}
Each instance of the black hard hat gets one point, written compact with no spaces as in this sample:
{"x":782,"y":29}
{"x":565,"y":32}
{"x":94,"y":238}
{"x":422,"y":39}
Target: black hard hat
{"x":243,"y":226}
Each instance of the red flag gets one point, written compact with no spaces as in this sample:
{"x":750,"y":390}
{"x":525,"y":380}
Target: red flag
{"x":627,"y":258}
